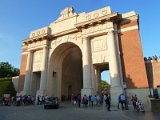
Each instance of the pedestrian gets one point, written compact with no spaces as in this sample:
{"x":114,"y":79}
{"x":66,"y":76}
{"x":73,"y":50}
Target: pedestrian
{"x":108,"y":101}
{"x":79,"y":100}
{"x":134,"y":100}
{"x":98,"y":100}
{"x":122,"y":100}
{"x":72,"y":99}
{"x":93,"y":100}
{"x":85,"y":100}
{"x":89,"y":100}
{"x":119,"y":100}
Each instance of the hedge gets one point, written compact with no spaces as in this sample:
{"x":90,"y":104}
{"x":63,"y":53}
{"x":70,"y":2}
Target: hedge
{"x":7,"y":87}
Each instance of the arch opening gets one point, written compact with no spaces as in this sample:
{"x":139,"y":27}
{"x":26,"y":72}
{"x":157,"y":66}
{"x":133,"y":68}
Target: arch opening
{"x":66,"y":72}
{"x":103,"y":80}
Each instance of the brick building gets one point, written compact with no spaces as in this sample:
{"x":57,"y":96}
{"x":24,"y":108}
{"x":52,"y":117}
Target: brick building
{"x":68,"y":55}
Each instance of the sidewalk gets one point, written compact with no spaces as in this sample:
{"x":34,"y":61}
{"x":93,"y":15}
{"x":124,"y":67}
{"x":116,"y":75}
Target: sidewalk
{"x":71,"y":112}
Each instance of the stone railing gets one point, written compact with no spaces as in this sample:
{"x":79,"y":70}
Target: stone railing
{"x":155,"y":106}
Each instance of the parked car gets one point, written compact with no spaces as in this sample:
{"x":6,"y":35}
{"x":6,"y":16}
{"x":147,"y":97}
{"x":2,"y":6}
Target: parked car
{"x":51,"y":102}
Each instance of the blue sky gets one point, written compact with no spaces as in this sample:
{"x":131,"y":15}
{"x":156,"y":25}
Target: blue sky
{"x":19,"y":17}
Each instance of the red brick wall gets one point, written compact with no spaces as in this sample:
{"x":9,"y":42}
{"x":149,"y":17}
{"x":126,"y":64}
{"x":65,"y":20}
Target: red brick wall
{"x":133,"y":65}
{"x":22,"y":69}
{"x":156,"y":73}
{"x":128,"y":24}
{"x":153,"y":73}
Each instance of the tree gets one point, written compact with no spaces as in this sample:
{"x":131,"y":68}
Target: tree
{"x":7,"y":70}
{"x":104,"y":85}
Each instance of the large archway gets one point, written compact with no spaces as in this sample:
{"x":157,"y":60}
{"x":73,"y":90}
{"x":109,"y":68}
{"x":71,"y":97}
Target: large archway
{"x":65,"y":71}
{"x":99,"y":69}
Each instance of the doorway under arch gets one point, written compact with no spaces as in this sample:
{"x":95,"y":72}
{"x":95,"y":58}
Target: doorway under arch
{"x":66,"y":72}
{"x":103,"y":80}
{"x":105,"y":77}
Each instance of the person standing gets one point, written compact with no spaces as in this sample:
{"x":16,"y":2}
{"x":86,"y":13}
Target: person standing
{"x":98,"y":99}
{"x":79,"y":100}
{"x":72,"y":99}
{"x":119,"y":100}
{"x":134,"y":100}
{"x":122,"y":99}
{"x":108,"y":101}
{"x":85,"y":100}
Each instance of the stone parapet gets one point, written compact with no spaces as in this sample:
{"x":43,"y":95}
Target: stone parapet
{"x":155,"y":106}
{"x":38,"y":32}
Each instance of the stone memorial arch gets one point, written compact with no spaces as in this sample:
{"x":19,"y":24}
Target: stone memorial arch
{"x":68,"y":55}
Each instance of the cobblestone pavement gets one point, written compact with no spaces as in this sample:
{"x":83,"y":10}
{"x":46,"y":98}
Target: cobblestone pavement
{"x":69,"y":112}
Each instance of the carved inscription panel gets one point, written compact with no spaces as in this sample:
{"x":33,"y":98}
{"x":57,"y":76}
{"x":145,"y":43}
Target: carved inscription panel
{"x":38,"y":45}
{"x":94,"y":14}
{"x":74,"y":38}
{"x":37,"y":60}
{"x":94,"y":29}
{"x":99,"y":49}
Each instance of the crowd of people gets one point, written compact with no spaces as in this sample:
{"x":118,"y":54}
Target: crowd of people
{"x":17,"y":100}
{"x":22,"y":100}
{"x":105,"y":99}
{"x":85,"y":100}
{"x":92,"y":100}
{"x":78,"y":100}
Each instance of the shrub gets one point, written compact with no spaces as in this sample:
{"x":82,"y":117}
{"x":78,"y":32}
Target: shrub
{"x":7,"y":87}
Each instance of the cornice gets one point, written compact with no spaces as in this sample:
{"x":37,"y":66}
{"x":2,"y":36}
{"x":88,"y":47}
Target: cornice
{"x":97,"y":20}
{"x":37,"y":38}
{"x":129,"y":17}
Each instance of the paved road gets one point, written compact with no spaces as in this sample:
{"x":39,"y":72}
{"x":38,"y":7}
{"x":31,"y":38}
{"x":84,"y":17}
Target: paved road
{"x":69,"y":112}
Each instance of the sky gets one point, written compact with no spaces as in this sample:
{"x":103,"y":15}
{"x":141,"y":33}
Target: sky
{"x":19,"y":17}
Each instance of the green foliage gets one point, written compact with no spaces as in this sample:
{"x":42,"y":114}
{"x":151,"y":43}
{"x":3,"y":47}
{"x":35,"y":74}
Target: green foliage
{"x":104,"y":85}
{"x":7,"y":70}
{"x":6,"y":87}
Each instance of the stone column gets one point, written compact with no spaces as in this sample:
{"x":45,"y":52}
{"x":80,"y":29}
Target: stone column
{"x":118,"y":54}
{"x":27,"y":82}
{"x":87,"y":83}
{"x":93,"y":79}
{"x":98,"y":79}
{"x":43,"y":80}
{"x":116,"y":87}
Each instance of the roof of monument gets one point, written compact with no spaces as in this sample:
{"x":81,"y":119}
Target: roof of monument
{"x":69,"y":21}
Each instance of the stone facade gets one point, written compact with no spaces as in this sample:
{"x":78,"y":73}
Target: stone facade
{"x":15,"y":81}
{"x":68,"y":55}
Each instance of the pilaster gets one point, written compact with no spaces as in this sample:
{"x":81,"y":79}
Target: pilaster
{"x":98,"y":79}
{"x":27,"y":82}
{"x":118,"y":55}
{"x":43,"y":80}
{"x":87,"y":82}
{"x":116,"y":87}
